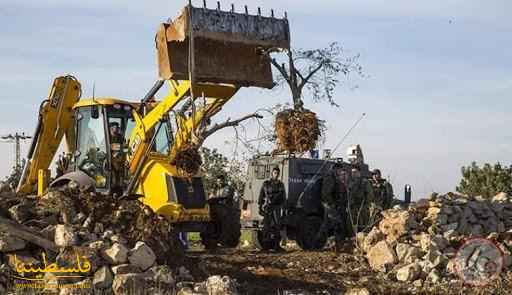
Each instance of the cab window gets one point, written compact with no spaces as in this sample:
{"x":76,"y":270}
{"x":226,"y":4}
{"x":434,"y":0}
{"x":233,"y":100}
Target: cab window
{"x":162,"y":140}
{"x":91,"y":144}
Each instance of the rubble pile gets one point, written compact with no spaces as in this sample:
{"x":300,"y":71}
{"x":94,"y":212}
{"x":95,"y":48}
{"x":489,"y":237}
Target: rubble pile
{"x":420,"y":244}
{"x":121,"y":245}
{"x":297,"y":130}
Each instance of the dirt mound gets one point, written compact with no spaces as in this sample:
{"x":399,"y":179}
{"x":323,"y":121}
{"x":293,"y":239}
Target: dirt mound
{"x":188,"y":160}
{"x":297,"y":130}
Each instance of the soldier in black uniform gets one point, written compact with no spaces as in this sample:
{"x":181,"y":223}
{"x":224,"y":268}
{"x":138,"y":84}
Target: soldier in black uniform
{"x":334,"y":201}
{"x":361,"y":202}
{"x":271,"y":201}
{"x":383,"y":191}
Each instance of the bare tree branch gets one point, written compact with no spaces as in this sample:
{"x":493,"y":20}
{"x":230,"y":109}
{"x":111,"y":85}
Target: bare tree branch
{"x":316,"y":70}
{"x":300,"y":75}
{"x":311,"y":73}
{"x":228,"y":123}
{"x":281,"y":69}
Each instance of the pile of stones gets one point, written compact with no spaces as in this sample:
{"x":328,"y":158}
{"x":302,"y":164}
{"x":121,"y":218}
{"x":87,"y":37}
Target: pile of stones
{"x":121,"y":246}
{"x":420,"y":244}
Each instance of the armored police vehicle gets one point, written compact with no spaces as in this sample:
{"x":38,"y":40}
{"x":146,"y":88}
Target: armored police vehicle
{"x":303,"y":212}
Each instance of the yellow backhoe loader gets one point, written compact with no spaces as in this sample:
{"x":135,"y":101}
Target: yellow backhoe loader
{"x":129,"y":148}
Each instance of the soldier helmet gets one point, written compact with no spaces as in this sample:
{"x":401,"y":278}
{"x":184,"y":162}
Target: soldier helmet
{"x":376,"y":172}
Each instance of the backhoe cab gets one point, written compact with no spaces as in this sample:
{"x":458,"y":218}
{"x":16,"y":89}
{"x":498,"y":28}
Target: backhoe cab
{"x":102,"y":130}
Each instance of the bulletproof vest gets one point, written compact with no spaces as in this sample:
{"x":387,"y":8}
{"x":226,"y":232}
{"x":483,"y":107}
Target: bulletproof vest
{"x":274,"y":191}
{"x":380,"y":188}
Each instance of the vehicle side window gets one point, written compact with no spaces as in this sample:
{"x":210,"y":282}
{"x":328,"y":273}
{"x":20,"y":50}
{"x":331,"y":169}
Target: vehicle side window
{"x":162,"y":141}
{"x":260,"y":171}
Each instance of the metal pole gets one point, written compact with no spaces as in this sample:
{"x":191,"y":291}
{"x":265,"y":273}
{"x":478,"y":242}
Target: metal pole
{"x":18,"y":162}
{"x":191,"y":60}
{"x":16,"y":139}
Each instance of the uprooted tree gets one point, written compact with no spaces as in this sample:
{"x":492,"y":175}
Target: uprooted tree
{"x":485,"y":181}
{"x":188,"y":159}
{"x":316,"y":70}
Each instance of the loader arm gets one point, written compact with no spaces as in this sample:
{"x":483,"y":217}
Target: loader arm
{"x":217,"y":96}
{"x":140,"y":138}
{"x":140,"y":141}
{"x":55,"y":122}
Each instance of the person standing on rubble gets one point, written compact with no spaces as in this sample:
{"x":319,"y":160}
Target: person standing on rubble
{"x":270,"y":203}
{"x":383,"y":190}
{"x":360,"y":202}
{"x":334,"y":202}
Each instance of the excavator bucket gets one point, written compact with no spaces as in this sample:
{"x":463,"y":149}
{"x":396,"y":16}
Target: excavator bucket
{"x":227,"y":46}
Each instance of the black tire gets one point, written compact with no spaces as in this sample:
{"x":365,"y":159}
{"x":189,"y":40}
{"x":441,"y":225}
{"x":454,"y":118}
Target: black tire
{"x":226,"y":228}
{"x":209,"y":239}
{"x":209,"y":244}
{"x":307,"y":232}
{"x":263,"y":242}
{"x":230,"y":227}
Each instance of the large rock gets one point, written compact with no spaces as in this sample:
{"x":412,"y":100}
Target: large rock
{"x":434,"y":259}
{"x":501,"y":198}
{"x":217,"y":285}
{"x":10,"y":243}
{"x":434,"y":276}
{"x":372,"y":238}
{"x":65,"y":236}
{"x":49,"y":232}
{"x":161,"y":275}
{"x":381,"y":256}
{"x":116,"y":254}
{"x":408,"y":273}
{"x":124,"y":269}
{"x":129,"y":284}
{"x":102,"y":278}
{"x":396,"y":223}
{"x":406,"y":253}
{"x":142,"y":256}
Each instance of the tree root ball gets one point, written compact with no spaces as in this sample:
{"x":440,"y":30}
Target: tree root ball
{"x":188,"y":160}
{"x":297,"y":130}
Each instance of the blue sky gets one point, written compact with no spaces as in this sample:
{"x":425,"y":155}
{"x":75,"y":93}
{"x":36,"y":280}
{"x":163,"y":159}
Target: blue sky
{"x":437,"y":96}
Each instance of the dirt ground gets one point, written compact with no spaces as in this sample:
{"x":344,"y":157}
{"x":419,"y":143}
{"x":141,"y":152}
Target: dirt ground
{"x":321,"y":272}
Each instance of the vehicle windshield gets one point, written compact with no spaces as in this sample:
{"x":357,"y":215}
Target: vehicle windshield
{"x":91,"y":144}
